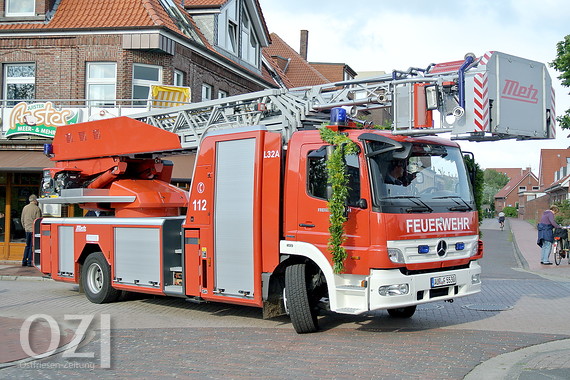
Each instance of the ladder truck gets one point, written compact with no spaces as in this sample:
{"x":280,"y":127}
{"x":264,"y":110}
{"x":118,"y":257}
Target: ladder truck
{"x":255,"y":227}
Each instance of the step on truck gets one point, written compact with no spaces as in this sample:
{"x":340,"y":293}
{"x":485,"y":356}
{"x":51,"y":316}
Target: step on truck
{"x":254,"y":227}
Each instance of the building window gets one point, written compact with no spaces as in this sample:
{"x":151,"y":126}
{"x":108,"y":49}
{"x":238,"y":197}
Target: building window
{"x":145,"y":76}
{"x":101,"y":83}
{"x":206,"y":92}
{"x":249,"y":44}
{"x":522,"y":188}
{"x":19,"y":81}
{"x":222,"y":94}
{"x":535,"y":188}
{"x":232,"y":36}
{"x":20,"y":8}
{"x":178,"y":78}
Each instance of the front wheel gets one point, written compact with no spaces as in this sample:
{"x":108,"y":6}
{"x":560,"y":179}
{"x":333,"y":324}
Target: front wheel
{"x":96,"y":279}
{"x":402,"y":312}
{"x":300,"y":300}
{"x":558,"y":253}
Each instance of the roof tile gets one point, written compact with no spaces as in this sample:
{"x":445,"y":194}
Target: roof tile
{"x":299,"y":71}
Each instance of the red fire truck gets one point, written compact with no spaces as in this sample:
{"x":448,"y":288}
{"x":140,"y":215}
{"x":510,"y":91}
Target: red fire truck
{"x":256,"y":226}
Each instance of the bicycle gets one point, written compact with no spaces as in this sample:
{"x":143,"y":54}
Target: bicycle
{"x":560,"y":245}
{"x":501,"y":223}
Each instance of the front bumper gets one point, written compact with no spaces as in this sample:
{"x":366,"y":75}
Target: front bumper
{"x":419,"y":286}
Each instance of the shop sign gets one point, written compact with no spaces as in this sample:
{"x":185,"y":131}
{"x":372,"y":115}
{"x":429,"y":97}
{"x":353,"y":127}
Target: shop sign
{"x":39,"y":119}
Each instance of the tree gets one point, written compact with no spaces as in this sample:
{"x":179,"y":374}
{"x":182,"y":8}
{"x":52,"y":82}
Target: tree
{"x":493,"y":181}
{"x":478,"y":183}
{"x":562,"y":65}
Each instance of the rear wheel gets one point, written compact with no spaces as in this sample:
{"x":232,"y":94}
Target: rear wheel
{"x":301,"y":299}
{"x":96,"y":279}
{"x":402,"y":312}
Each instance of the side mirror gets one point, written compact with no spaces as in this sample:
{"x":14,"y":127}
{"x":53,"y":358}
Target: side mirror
{"x":362,"y":204}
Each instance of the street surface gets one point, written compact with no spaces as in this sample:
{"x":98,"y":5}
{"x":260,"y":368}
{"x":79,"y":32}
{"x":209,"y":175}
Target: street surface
{"x":172,"y":338}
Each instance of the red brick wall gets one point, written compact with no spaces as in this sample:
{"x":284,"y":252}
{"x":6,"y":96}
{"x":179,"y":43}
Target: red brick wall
{"x":534,"y":208}
{"x":61,"y":63}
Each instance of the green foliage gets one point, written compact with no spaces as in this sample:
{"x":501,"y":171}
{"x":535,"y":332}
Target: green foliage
{"x":563,"y":215}
{"x":562,"y":65}
{"x":478,"y":185}
{"x":338,"y":180}
{"x":511,"y":212}
{"x":493,"y":182}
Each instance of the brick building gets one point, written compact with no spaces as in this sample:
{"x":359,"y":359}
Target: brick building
{"x":67,"y":61}
{"x":520,"y":180}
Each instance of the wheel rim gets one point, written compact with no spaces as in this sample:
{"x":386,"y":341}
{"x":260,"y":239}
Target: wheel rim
{"x":95,"y":278}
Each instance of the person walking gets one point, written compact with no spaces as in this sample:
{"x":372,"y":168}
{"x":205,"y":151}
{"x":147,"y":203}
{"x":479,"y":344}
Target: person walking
{"x":546,"y":233}
{"x":30,"y":213}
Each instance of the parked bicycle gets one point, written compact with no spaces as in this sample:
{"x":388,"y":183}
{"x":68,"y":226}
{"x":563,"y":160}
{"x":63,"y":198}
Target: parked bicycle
{"x":560,"y":247}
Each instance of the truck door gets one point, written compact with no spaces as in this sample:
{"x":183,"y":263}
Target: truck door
{"x":313,"y":214}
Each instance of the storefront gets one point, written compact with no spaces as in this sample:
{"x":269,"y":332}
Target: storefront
{"x":21,"y":165}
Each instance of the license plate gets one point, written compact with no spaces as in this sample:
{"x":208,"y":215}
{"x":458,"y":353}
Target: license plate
{"x":443,"y":280}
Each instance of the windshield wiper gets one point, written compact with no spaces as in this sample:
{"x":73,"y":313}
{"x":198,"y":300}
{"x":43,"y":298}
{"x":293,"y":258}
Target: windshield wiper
{"x":421,"y":205}
{"x":460,"y":207}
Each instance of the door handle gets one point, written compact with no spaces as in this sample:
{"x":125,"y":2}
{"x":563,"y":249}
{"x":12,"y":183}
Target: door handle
{"x":306,"y":225}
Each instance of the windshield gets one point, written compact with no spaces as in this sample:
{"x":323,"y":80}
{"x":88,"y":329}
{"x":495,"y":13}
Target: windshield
{"x":414,"y":177}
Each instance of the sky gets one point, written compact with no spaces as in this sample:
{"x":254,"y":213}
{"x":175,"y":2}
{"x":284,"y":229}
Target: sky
{"x":382,"y":35}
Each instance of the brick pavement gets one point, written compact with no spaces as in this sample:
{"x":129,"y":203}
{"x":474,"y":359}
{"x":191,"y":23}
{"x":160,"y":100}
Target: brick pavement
{"x":213,"y":340}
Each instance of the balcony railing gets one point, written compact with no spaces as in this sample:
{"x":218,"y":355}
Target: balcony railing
{"x":88,"y":109}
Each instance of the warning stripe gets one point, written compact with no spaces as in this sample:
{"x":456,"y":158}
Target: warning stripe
{"x":552,"y":131}
{"x":485,"y":58}
{"x":481,"y":102}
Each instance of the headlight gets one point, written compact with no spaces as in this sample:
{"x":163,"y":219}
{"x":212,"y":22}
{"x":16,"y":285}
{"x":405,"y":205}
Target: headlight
{"x":475,"y":249}
{"x":394,"y":290}
{"x":396,"y":256}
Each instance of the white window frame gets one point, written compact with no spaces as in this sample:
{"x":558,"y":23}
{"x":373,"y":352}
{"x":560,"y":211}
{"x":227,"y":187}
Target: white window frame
{"x":178,"y":78}
{"x":249,"y":41}
{"x":145,"y":82}
{"x":100,"y":81}
{"x":9,"y":6}
{"x":207,"y":91}
{"x":222,"y":94}
{"x":18,"y":80}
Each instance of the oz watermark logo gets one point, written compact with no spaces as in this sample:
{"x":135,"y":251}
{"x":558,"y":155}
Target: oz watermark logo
{"x":70,"y":349}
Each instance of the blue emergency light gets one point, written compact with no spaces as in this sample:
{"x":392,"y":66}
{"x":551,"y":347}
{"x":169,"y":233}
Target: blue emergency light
{"x":338,"y":116}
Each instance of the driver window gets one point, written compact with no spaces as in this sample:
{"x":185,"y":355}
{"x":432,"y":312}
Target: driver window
{"x":317,"y":176}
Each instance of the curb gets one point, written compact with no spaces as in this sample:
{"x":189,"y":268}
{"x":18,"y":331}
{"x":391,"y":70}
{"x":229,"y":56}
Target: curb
{"x":512,"y":364}
{"x":24,"y":278}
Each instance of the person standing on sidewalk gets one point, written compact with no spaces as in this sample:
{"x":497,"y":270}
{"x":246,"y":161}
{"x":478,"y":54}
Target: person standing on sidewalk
{"x":546,"y":234}
{"x":30,"y":213}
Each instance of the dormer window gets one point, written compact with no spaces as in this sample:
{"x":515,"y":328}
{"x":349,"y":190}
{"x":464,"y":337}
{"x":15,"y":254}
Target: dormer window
{"x":19,"y":8}
{"x":232,"y":36}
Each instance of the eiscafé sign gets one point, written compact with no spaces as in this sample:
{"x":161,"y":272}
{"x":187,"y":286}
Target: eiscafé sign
{"x":39,"y":119}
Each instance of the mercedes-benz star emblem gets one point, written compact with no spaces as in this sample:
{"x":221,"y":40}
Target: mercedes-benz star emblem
{"x":441,"y":248}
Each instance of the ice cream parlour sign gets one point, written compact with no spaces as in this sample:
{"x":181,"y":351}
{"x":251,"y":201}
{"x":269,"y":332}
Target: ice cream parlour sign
{"x":39,"y":119}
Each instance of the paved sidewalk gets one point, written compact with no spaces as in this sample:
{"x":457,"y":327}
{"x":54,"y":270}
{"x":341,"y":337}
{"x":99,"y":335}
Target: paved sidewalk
{"x":543,"y":361}
{"x":13,"y":270}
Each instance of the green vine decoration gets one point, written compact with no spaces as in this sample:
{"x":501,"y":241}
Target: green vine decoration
{"x":338,"y":180}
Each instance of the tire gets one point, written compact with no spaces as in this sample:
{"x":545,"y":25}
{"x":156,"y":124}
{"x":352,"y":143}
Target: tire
{"x":556,"y":252}
{"x":402,"y":312}
{"x":302,"y":308}
{"x":96,"y":279}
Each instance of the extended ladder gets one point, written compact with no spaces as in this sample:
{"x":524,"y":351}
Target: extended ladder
{"x":475,"y":101}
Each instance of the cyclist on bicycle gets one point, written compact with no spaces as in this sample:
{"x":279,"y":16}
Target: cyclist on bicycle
{"x":502,"y":220}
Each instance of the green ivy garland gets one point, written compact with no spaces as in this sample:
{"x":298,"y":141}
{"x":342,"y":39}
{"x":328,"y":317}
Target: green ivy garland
{"x":338,"y":179}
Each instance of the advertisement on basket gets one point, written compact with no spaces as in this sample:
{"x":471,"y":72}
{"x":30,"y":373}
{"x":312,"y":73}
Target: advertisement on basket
{"x":39,"y":119}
